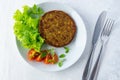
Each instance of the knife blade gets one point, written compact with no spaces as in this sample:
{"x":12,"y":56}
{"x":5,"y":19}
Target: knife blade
{"x":98,"y":26}
{"x":97,"y":30}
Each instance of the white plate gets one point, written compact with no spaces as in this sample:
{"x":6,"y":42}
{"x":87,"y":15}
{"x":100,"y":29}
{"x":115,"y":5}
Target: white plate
{"x":77,"y":46}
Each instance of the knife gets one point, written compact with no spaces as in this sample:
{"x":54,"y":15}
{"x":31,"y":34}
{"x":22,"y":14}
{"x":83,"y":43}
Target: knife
{"x":97,"y":30}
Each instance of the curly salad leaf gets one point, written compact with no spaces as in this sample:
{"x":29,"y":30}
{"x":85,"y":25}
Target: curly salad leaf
{"x":26,"y":27}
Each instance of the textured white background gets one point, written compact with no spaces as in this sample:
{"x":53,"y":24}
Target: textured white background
{"x":13,"y":67}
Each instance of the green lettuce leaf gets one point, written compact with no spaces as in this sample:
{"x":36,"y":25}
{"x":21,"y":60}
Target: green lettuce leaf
{"x":26,"y":27}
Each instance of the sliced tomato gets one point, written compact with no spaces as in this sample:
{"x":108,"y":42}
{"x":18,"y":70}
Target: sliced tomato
{"x":42,"y":56}
{"x":51,"y":59}
{"x":32,"y":54}
{"x":39,"y":59}
{"x":48,"y":58}
{"x":54,"y":59}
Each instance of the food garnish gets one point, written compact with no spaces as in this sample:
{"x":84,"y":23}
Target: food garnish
{"x":52,"y":51}
{"x":66,"y":49}
{"x":60,"y":63}
{"x":62,"y":56}
{"x":26,"y":27}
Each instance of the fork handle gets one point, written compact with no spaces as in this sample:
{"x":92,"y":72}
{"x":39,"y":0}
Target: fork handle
{"x":88,"y":66}
{"x":96,"y":68}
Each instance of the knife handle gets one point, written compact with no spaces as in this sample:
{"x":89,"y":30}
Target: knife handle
{"x":88,"y":66}
{"x":96,"y":67}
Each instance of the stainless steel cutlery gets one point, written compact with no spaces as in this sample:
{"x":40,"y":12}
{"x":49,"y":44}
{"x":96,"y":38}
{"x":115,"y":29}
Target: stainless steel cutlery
{"x":97,"y":31}
{"x":105,"y":34}
{"x":101,"y":33}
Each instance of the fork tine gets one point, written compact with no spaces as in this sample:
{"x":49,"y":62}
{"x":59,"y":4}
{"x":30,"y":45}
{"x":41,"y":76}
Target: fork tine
{"x":110,"y":27}
{"x":105,"y":27}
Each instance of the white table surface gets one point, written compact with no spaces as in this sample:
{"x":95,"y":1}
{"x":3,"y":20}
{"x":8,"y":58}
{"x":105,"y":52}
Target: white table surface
{"x":13,"y":67}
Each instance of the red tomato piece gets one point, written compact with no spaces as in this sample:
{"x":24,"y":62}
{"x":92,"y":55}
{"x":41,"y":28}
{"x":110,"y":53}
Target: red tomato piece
{"x":32,"y":54}
{"x":54,"y":59}
{"x":51,"y":59}
{"x":39,"y":59}
{"x":48,"y":58}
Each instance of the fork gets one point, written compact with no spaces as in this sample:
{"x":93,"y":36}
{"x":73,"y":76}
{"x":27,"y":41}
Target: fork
{"x":104,"y":37}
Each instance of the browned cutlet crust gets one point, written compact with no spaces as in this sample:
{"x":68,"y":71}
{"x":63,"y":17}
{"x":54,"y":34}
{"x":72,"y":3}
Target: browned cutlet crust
{"x":57,"y":28}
